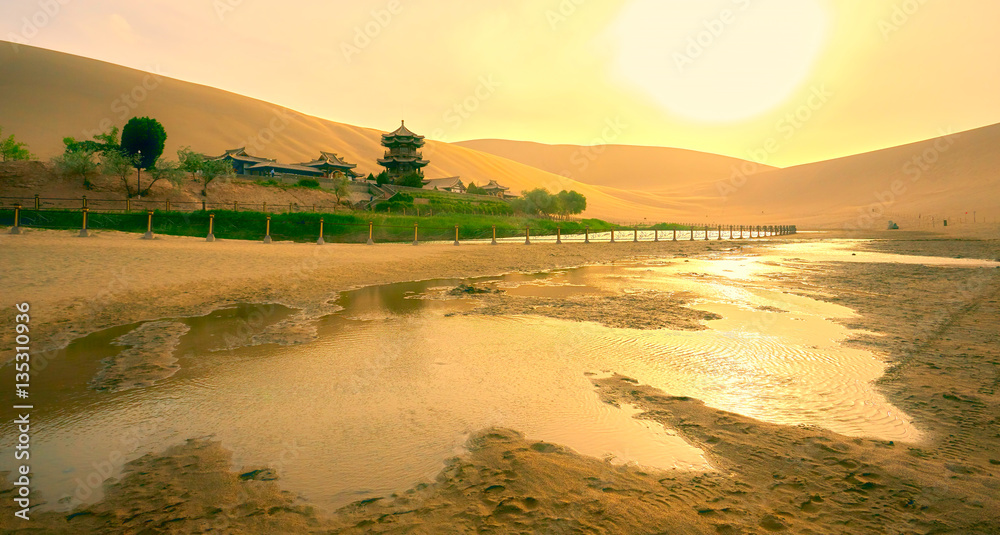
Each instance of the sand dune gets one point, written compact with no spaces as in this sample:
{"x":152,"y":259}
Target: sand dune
{"x":947,"y":177}
{"x":663,"y":170}
{"x":62,"y":95}
{"x":59,"y":95}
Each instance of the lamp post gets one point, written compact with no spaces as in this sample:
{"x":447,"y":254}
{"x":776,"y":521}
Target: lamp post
{"x":138,"y":169}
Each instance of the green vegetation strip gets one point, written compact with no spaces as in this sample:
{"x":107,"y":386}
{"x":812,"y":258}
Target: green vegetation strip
{"x":304,"y":227}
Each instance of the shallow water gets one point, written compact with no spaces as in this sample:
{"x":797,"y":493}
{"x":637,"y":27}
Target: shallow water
{"x":398,"y":380}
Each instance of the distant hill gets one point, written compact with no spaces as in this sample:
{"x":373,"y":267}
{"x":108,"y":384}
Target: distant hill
{"x":654,"y":169}
{"x":48,"y":95}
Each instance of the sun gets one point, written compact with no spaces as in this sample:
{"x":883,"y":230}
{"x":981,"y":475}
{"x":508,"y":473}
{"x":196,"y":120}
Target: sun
{"x":719,"y":60}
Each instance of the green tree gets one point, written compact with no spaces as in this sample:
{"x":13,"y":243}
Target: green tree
{"x":142,"y":142}
{"x":539,"y":201}
{"x":571,"y":202}
{"x":340,"y":187}
{"x":190,"y":161}
{"x":100,"y":144}
{"x":411,"y":180}
{"x":165,"y":170}
{"x":475,"y":190}
{"x":118,"y":164}
{"x":77,"y":164}
{"x":383,"y":178}
{"x":12,"y":149}
{"x":212,"y":169}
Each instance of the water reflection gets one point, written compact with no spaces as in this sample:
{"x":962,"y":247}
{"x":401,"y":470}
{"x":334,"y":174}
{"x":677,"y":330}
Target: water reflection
{"x":399,"y":379}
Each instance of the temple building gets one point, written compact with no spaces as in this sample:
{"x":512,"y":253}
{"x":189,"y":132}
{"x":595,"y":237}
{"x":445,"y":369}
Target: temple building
{"x":240,"y":160}
{"x":330,"y":164}
{"x":402,"y":156}
{"x":495,"y":189}
{"x":453,"y":184}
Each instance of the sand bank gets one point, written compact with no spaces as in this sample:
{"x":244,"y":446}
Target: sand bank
{"x":937,"y":325}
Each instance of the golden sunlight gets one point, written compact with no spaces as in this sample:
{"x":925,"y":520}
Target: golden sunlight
{"x":720,"y":61}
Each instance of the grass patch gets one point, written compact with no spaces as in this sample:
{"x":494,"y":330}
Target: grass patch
{"x":304,"y":227}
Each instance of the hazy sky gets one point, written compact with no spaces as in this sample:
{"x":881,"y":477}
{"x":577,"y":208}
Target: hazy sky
{"x":779,"y":81}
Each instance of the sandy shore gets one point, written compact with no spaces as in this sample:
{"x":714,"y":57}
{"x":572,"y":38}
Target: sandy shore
{"x":937,"y":325}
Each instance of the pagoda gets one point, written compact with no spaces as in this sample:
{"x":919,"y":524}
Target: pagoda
{"x":402,"y":156}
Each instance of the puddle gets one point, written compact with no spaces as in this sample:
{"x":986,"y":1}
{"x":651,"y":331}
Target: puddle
{"x":396,"y":382}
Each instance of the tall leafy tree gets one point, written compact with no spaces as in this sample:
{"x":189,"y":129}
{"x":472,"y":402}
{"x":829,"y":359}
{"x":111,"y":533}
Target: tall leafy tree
{"x":142,"y":141}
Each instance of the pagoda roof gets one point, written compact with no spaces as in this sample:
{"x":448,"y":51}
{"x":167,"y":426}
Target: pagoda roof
{"x":402,"y":131}
{"x":403,"y":159}
{"x":329,"y":159}
{"x":494,"y":186}
{"x":444,"y":183}
{"x":241,"y":154}
{"x":284,"y":166}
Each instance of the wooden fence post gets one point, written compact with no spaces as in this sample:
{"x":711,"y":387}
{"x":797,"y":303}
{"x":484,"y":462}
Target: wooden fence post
{"x":558,"y":236}
{"x":370,"y":233}
{"x":16,"y":229}
{"x":211,"y":223}
{"x":149,"y":226}
{"x":612,"y":235}
{"x":320,"y":240}
{"x":675,"y":233}
{"x":456,"y":234}
{"x":38,"y":204}
{"x":84,"y":200}
{"x":635,"y":235}
{"x":415,"y":231}
{"x":656,"y":236}
{"x":83,"y":231}
{"x":494,"y":242}
{"x":586,"y":234}
{"x":527,"y":235}
{"x":267,"y":237}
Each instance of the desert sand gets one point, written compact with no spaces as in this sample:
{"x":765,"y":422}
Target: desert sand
{"x":935,"y":324}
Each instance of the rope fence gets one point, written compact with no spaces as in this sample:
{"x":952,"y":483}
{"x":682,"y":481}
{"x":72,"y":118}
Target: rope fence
{"x":342,"y":228}
{"x":141,"y":205}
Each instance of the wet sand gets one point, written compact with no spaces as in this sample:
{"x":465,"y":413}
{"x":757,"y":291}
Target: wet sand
{"x":937,"y":325}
